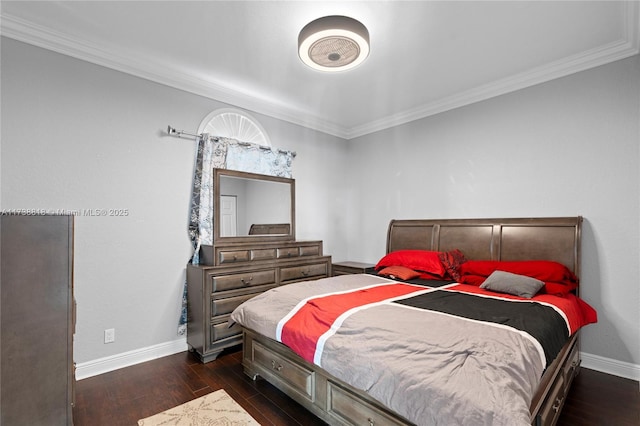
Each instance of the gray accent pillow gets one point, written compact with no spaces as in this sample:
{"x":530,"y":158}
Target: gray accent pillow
{"x":518,"y":285}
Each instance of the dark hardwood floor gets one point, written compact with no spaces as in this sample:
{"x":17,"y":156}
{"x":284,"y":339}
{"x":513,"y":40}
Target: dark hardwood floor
{"x":126,"y":395}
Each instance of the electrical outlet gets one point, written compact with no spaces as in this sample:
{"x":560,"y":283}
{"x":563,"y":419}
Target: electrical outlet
{"x":110,"y":335}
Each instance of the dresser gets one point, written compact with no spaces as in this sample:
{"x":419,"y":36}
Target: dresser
{"x":37,"y":320}
{"x":235,"y":273}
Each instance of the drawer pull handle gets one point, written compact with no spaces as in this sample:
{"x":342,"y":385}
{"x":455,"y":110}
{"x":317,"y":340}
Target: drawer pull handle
{"x":235,"y":257}
{"x":557,"y":404}
{"x":276,"y":367}
{"x":246,"y":282}
{"x":371,"y":422}
{"x":305,"y":273}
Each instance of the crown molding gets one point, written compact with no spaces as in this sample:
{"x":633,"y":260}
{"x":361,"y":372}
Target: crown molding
{"x":40,"y":36}
{"x":626,"y":47}
{"x":148,"y":69}
{"x":567,"y":66}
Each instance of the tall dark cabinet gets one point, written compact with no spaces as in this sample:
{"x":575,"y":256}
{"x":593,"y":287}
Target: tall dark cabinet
{"x":37,"y":320}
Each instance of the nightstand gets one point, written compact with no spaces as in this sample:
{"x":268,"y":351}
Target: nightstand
{"x":345,"y":268}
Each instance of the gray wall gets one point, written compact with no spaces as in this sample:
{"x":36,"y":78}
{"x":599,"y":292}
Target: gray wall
{"x":79,"y":136}
{"x":568,"y":147}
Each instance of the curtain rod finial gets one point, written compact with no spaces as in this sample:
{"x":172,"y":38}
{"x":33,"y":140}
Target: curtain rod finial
{"x":171,"y":130}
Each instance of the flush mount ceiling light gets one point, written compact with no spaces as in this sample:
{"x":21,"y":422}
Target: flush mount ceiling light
{"x":333,"y":43}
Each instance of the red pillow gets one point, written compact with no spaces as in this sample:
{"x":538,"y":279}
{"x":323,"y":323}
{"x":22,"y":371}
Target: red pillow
{"x":452,"y":260}
{"x":544,"y":270}
{"x":550,"y":287}
{"x":472,"y":279}
{"x":399,"y":272}
{"x":559,"y":288}
{"x":558,"y":279}
{"x":418,"y":260}
{"x":428,"y":276}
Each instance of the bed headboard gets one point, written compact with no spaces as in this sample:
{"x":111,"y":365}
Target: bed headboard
{"x":549,"y":238}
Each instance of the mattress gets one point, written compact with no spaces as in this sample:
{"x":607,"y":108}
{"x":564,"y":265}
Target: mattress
{"x":433,"y":352}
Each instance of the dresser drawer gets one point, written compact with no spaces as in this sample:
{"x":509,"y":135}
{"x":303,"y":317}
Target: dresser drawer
{"x":228,"y":304}
{"x":350,"y":409}
{"x":304,"y":272}
{"x":222,"y":331}
{"x":247,"y":279}
{"x":310,"y":250}
{"x":291,"y":374}
{"x":288,"y":252}
{"x":234,"y":256}
{"x":263,"y":254}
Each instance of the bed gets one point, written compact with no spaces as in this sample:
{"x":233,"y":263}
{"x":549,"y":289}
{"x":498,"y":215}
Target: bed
{"x":421,"y":350}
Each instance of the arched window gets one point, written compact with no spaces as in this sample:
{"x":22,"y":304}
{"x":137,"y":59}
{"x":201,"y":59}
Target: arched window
{"x":235,"y":124}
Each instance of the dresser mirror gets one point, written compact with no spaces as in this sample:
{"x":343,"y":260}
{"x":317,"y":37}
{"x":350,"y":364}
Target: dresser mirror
{"x":250,"y":207}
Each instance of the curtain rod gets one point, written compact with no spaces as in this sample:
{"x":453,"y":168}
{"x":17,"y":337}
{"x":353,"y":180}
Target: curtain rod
{"x":181,"y":133}
{"x":171,"y":131}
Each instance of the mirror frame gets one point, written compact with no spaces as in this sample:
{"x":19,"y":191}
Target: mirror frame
{"x":217,"y":239}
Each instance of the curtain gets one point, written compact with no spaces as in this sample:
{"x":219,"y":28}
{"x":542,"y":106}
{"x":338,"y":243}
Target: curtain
{"x":223,"y":153}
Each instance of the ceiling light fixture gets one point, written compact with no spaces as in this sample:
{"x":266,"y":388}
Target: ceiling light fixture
{"x":333,"y":43}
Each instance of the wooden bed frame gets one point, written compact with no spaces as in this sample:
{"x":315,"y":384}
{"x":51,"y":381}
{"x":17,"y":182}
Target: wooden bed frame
{"x":336,"y":402}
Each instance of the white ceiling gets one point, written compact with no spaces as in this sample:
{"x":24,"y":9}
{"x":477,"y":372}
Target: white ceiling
{"x":426,"y":56}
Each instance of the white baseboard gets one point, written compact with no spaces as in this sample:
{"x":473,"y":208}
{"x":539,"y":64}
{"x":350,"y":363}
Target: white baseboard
{"x":610,"y":366}
{"x":125,"y":359}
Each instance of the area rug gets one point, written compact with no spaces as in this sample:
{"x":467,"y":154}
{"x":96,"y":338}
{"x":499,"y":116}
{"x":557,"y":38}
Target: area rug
{"x":214,"y":409}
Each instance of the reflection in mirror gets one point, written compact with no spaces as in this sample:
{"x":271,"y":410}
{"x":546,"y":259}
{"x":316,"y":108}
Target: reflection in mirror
{"x":252,"y":205}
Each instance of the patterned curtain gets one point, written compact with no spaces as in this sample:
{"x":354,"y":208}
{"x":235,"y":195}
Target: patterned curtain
{"x":223,"y":153}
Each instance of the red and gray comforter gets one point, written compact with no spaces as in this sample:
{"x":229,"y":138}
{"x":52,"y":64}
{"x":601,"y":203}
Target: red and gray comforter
{"x":446,"y":355}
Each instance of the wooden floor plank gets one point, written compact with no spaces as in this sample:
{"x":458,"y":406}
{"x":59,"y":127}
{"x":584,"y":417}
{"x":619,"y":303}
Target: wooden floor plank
{"x":122,"y":397}
{"x":599,"y":399}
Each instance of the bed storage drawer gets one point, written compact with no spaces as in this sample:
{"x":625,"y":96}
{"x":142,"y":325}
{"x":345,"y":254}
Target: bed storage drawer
{"x":351,"y":410}
{"x":290,"y":374}
{"x":550,"y":411}
{"x":572,"y":365}
{"x":248,"y":279}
